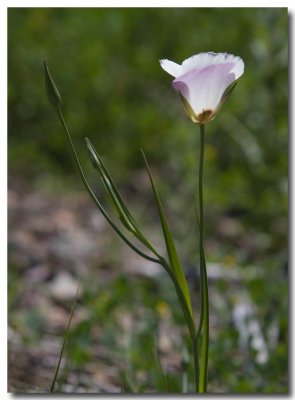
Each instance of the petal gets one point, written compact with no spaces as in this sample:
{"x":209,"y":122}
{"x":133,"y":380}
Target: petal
{"x":203,"y":87}
{"x":171,"y":67}
{"x":238,"y":69}
{"x":202,"y":60}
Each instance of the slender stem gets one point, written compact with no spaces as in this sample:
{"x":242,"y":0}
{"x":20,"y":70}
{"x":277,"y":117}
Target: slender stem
{"x":195,"y":349}
{"x":204,"y":318}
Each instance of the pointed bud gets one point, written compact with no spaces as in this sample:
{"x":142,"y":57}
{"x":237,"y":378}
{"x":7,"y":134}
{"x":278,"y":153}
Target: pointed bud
{"x":93,"y":157}
{"x":51,"y":89}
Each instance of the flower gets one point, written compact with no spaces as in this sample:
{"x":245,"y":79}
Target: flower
{"x":204,"y":82}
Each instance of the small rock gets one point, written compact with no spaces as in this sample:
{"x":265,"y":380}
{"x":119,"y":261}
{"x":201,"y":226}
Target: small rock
{"x":64,"y":287}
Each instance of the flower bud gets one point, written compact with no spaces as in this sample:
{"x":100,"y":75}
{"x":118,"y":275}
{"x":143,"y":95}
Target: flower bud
{"x":51,"y":89}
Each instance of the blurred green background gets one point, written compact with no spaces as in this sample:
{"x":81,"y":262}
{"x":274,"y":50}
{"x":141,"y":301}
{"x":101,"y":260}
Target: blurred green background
{"x":106,"y":65}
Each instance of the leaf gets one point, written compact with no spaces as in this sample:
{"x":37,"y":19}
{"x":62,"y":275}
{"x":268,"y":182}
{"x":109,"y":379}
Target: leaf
{"x":123,"y":213}
{"x":170,"y":246}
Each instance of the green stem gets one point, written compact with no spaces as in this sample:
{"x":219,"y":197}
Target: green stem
{"x":188,"y":319}
{"x":204,"y":318}
{"x":195,"y":349}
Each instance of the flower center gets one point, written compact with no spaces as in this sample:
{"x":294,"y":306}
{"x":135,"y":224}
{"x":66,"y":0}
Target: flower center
{"x":205,"y":116}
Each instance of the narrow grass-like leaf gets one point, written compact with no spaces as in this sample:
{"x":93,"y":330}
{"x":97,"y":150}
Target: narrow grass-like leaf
{"x":170,"y":246}
{"x":65,"y":339}
{"x":126,"y":383}
{"x":123,"y":213}
{"x":122,"y":210}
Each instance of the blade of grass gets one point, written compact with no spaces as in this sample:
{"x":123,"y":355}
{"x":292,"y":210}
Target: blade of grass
{"x":65,"y":339}
{"x":126,"y":383}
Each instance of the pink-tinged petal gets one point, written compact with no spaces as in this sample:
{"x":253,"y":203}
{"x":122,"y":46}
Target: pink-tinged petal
{"x":202,"y":60}
{"x":171,"y":67}
{"x":203,"y":87}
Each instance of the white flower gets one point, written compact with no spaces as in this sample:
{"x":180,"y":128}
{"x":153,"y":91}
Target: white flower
{"x":204,"y":82}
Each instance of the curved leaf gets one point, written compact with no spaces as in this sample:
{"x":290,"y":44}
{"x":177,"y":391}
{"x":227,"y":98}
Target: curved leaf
{"x":170,"y":246}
